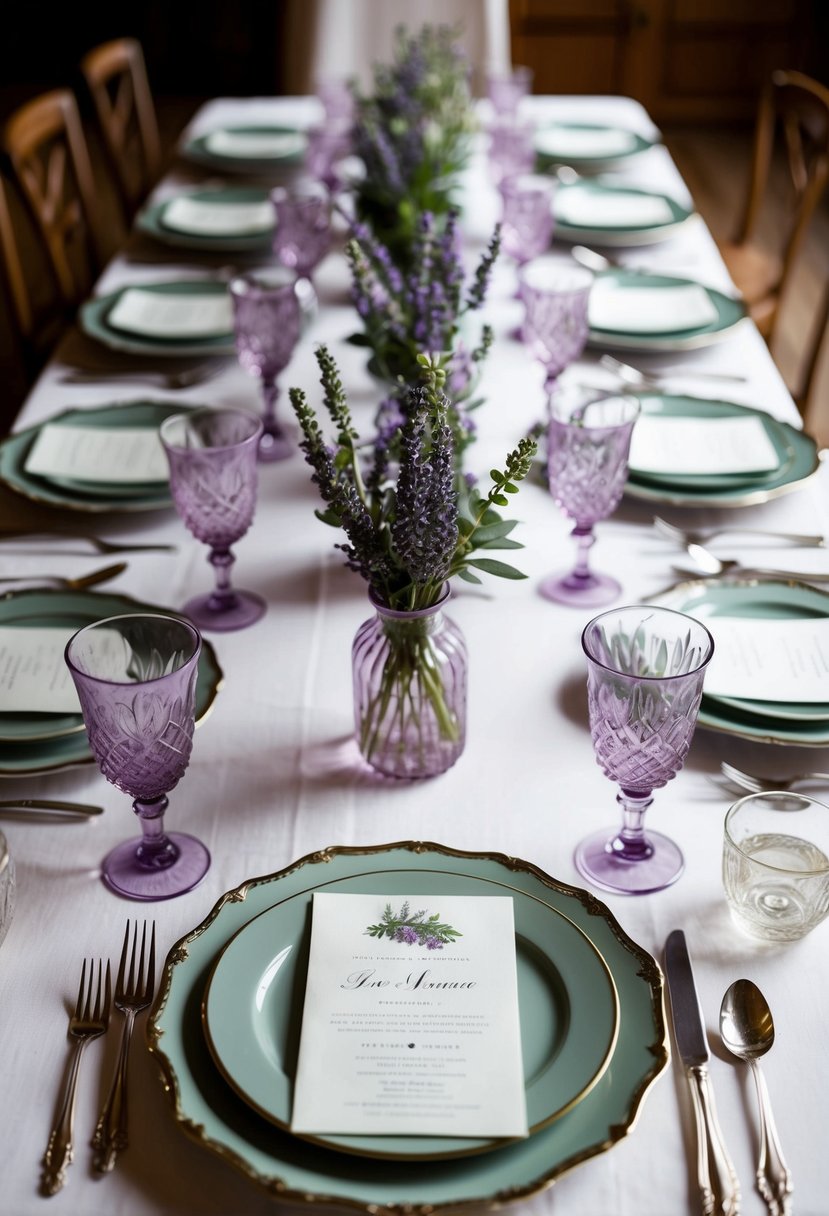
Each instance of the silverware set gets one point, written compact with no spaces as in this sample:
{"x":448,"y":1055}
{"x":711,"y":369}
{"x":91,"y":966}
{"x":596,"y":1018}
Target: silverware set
{"x":81,"y":583}
{"x":17,"y":536}
{"x":707,"y":565}
{"x":134,"y":987}
{"x":747,"y":1033}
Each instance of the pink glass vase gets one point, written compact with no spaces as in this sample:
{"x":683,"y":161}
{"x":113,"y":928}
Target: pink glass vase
{"x":409,"y":672}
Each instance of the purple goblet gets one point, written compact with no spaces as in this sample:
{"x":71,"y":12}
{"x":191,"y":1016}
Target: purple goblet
{"x":527,"y":216}
{"x":645,"y":669}
{"x":303,"y":227}
{"x":212,"y":457}
{"x":136,"y":681}
{"x":511,"y":148}
{"x":506,"y":88}
{"x":267,"y":322}
{"x":328,"y":146}
{"x":588,"y":444}
{"x":555,"y":295}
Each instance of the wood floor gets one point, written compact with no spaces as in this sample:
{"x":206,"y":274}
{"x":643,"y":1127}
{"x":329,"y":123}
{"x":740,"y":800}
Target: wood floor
{"x":715,"y":164}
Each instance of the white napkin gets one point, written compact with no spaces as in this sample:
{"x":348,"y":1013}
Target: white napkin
{"x":206,"y":218}
{"x":579,"y":205}
{"x":185,"y":315}
{"x":584,"y":142}
{"x":254,"y":145}
{"x":84,"y":453}
{"x":649,"y":310}
{"x":701,"y":445}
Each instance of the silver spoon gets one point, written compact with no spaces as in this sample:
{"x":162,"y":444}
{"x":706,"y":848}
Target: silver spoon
{"x":709,"y":566}
{"x":70,"y":584}
{"x":747,"y":1030}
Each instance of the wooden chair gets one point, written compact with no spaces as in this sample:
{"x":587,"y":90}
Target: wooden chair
{"x":799,"y":107}
{"x":49,"y":237}
{"x":116,"y":77}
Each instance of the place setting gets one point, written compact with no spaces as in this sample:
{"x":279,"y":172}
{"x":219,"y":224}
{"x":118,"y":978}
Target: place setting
{"x":605,"y":212}
{"x":247,"y":148}
{"x":170,"y":319}
{"x":589,"y":147}
{"x":229,"y":220}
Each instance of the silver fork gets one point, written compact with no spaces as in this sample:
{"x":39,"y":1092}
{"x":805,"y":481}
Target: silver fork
{"x":758,"y":785}
{"x":700,"y":536}
{"x":87,"y":1022}
{"x":70,"y":584}
{"x":635,"y":375}
{"x":133,"y":992}
{"x":13,"y":535}
{"x":187,"y":378}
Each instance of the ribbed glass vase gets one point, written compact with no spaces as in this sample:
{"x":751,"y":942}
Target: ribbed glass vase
{"x":410,"y":690}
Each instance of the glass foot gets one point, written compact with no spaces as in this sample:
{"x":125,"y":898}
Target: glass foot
{"x":274,"y":447}
{"x":589,"y":592}
{"x":246,"y":609}
{"x":123,"y":875}
{"x":602,"y":866}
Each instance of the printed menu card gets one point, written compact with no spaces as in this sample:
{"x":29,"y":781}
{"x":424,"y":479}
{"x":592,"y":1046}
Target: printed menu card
{"x":410,"y":1024}
{"x":88,"y":453}
{"x":33,"y":675}
{"x":769,"y":660}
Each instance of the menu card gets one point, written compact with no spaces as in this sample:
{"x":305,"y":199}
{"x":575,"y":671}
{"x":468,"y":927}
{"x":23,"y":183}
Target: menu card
{"x":581,"y":205}
{"x":254,"y":144}
{"x":584,"y":141}
{"x":710,"y":446}
{"x":34,"y":677}
{"x":206,"y":217}
{"x":185,"y":315}
{"x":769,"y":660}
{"x":649,"y":310}
{"x":410,"y":1024}
{"x":133,"y":455}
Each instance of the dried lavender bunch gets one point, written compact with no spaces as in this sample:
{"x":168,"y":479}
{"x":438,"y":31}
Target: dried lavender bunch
{"x":408,"y":526}
{"x":412,"y":131}
{"x":404,"y":314}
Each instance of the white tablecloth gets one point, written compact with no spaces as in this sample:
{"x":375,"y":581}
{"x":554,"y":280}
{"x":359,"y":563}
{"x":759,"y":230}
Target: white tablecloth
{"x":275,"y":775}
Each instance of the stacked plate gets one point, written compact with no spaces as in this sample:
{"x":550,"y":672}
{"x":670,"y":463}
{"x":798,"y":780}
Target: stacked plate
{"x":80,"y":495}
{"x":173,"y":319}
{"x":226,"y":1023}
{"x":220,"y":221}
{"x":247,"y":149}
{"x":47,"y":742}
{"x":803,"y":724}
{"x":795,"y":457}
{"x":599,"y":212}
{"x":588,"y":147}
{"x":636,"y":310}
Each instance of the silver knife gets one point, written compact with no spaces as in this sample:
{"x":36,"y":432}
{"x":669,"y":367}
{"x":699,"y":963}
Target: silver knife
{"x":716,"y":1175}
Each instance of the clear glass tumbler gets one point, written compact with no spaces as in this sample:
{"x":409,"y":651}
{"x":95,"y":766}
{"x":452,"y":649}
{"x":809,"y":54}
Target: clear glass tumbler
{"x":776,"y":864}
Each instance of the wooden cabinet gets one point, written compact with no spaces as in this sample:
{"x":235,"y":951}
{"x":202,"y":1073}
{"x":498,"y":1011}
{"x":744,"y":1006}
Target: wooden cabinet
{"x":685,"y":60}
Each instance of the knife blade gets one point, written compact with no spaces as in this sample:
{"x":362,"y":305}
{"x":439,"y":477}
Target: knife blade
{"x":717,"y":1178}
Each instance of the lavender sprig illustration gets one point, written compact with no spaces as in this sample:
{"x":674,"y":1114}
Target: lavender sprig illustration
{"x":414,"y":928}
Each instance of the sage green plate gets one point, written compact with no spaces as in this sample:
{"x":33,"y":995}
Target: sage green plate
{"x":93,"y":320}
{"x":709,"y":599}
{"x":586,"y":161}
{"x":569,"y":1015}
{"x":619,"y":235}
{"x":730,"y":313}
{"x":198,"y":151}
{"x":151,"y":221}
{"x":73,"y":610}
{"x":211,"y":1113}
{"x":797,"y":453}
{"x":82,"y":496}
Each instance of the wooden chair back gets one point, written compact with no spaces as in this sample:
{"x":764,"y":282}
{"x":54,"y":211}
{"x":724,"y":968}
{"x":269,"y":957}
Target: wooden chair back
{"x":48,"y":219}
{"x":794,"y":108}
{"x":116,"y":76}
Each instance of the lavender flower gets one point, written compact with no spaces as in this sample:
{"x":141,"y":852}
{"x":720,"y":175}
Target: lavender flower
{"x":432,"y":943}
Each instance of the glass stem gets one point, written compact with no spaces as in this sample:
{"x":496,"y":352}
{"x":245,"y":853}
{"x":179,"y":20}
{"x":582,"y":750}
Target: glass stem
{"x":631,"y":844}
{"x":156,"y":851}
{"x":223,"y":594}
{"x":584,"y":538}
{"x":270,"y":394}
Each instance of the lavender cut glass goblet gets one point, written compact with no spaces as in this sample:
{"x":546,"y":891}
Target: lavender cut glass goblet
{"x":328,"y":147}
{"x":587,"y":464}
{"x":136,"y":681}
{"x":213,"y":477}
{"x":511,"y":148}
{"x":645,"y":670}
{"x":506,"y":88}
{"x":555,"y":294}
{"x":267,"y":322}
{"x":527,"y":216}
{"x":303,"y":227}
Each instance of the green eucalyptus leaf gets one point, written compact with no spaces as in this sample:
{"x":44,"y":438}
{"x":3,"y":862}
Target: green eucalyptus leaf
{"x":501,"y":500}
{"x":358,"y":340}
{"x":469,"y":577}
{"x":490,"y":566}
{"x":502,"y":542}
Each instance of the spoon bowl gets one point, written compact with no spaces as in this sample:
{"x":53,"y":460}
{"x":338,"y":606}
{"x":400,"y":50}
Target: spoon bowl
{"x":747,"y":1031}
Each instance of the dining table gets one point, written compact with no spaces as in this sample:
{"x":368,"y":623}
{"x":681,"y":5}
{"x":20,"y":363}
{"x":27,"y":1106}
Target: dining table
{"x":276,"y":776}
